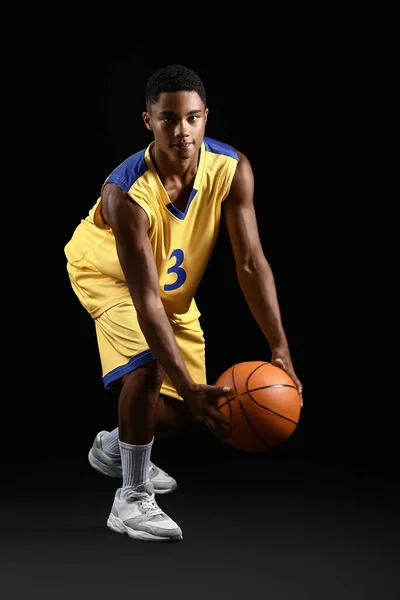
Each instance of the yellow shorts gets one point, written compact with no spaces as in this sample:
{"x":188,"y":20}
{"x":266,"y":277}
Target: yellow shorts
{"x":123,"y":347}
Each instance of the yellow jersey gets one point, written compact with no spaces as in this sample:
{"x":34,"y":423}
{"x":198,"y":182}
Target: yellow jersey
{"x":182,"y":242}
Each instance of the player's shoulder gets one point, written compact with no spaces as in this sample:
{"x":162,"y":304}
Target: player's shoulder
{"x":222,"y":148}
{"x":236,"y":162}
{"x":129,"y":171}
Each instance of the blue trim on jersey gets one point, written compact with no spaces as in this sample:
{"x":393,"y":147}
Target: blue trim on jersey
{"x":129,"y":171}
{"x":113,"y":377}
{"x":220,"y":148}
{"x":179,"y":214}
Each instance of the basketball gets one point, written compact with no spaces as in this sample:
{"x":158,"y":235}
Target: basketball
{"x":264,"y":405}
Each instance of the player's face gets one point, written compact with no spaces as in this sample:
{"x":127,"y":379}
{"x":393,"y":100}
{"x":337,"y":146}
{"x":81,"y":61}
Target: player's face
{"x":178,"y":122}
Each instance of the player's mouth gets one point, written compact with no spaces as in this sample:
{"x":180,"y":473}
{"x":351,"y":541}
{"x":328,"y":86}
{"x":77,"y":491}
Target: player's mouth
{"x":183,"y":145}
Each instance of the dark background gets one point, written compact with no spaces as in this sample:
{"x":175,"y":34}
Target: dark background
{"x":317,"y":518}
{"x":277,"y":100}
{"x":102,"y":125}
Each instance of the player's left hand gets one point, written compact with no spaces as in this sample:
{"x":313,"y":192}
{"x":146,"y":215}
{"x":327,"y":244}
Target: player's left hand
{"x":286,"y":364}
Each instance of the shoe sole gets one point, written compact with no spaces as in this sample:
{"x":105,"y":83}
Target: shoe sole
{"x":102,"y":468}
{"x":161,"y":491}
{"x":118,"y":526}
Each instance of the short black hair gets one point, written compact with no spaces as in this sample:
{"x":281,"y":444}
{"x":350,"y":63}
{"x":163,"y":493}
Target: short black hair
{"x":173,"y":78}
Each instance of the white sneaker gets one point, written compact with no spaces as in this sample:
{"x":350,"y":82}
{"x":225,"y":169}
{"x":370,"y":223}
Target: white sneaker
{"x":140,"y":517}
{"x":163,"y":483}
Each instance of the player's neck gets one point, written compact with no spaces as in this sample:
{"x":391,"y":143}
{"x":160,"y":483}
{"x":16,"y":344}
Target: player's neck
{"x":184,"y":168}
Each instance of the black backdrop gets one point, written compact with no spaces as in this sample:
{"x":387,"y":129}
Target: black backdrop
{"x":277,"y":89}
{"x":277,"y":100}
{"x":256,"y":107}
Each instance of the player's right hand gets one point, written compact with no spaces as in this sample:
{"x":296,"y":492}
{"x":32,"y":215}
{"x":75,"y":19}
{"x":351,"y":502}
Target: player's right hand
{"x":202,"y":401}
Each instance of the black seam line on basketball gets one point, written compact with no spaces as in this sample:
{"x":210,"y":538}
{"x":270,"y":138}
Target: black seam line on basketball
{"x":250,"y":424}
{"x":271,"y":411}
{"x":254,"y":370}
{"x":255,"y":402}
{"x":263,"y":387}
{"x":233,"y":378}
{"x":228,"y":401}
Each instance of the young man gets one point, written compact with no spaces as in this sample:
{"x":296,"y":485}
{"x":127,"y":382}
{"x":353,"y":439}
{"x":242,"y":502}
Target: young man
{"x":135,"y":263}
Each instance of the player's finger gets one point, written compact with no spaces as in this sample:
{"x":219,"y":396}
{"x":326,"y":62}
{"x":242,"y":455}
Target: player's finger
{"x":226,"y":389}
{"x":218,"y":391}
{"x":299,"y":386}
{"x":222,"y":390}
{"x":217,"y":416}
{"x":278,"y":362}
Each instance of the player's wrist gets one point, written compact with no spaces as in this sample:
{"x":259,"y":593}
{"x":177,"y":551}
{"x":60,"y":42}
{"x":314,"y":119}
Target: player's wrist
{"x":279,"y":345}
{"x":185,"y":387}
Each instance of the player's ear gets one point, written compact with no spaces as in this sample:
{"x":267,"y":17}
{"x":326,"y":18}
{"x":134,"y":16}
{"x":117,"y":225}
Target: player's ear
{"x":147,"y":120}
{"x":206,"y":113}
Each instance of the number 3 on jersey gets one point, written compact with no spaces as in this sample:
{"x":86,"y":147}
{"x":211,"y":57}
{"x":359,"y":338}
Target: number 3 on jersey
{"x":176,"y":268}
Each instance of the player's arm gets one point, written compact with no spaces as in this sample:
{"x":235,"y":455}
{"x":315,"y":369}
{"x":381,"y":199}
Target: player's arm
{"x":130,"y":224}
{"x":253,"y":270}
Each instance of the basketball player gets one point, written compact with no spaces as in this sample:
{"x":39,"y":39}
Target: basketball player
{"x":135,"y":263}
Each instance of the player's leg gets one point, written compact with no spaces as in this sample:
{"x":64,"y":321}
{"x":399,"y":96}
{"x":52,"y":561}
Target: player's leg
{"x":173,"y":418}
{"x":124,"y":354}
{"x":135,"y":510}
{"x":138,"y":403}
{"x":173,"y":414}
{"x":123,"y":351}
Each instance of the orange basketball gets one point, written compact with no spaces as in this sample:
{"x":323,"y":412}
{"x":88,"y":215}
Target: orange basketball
{"x":264,"y":405}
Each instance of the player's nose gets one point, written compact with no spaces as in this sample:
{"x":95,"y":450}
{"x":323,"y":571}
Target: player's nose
{"x":181,"y":130}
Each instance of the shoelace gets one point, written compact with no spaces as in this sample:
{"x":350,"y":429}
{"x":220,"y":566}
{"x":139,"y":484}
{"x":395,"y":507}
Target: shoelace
{"x":150,"y":506}
{"x":148,"y":503}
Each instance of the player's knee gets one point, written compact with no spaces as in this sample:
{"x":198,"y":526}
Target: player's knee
{"x":149,"y":376}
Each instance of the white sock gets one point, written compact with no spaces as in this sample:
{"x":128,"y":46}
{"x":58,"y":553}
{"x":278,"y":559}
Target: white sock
{"x":135,"y":461}
{"x":110,"y":443}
